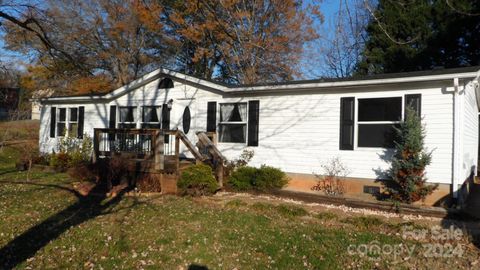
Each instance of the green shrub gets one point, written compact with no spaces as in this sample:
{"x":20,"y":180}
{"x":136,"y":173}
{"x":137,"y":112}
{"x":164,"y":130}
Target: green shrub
{"x":60,"y":161}
{"x":262,"y":179}
{"x":72,"y":153}
{"x":197,"y":180}
{"x":270,"y":178}
{"x":241,"y":179}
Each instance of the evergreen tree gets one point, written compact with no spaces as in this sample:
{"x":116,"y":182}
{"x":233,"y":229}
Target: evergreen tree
{"x":411,"y":35}
{"x":409,"y":162}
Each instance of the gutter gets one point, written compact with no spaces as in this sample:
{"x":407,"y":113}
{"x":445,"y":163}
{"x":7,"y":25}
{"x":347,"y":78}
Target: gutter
{"x":256,"y":89}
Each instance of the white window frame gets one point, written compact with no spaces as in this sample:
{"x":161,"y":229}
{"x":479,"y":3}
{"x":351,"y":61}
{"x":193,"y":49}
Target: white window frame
{"x":357,"y":123}
{"x":137,"y":122}
{"x":159,"y":115}
{"x":69,"y":121}
{"x":65,"y":122}
{"x":220,"y":123}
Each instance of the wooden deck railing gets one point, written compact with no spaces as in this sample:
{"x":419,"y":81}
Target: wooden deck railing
{"x":140,"y":144}
{"x":156,"y":150}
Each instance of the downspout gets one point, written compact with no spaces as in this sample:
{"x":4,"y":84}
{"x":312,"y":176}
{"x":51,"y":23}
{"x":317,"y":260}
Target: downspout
{"x":456,"y":138}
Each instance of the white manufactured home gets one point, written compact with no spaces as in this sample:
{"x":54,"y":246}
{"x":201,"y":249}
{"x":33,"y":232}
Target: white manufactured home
{"x":295,"y":126}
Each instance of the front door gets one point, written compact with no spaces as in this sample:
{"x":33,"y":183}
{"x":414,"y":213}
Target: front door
{"x":183,"y":118}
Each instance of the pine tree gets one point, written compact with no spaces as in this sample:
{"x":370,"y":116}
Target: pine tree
{"x":411,"y":35}
{"x":409,"y":162}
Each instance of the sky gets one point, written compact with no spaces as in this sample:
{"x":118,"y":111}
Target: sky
{"x":328,"y":8}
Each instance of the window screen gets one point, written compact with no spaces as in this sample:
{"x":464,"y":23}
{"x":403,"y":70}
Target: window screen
{"x":376,"y":135}
{"x":380,"y":109}
{"x":151,"y":116}
{"x":377,"y":118}
{"x":61,"y":123}
{"x":127,"y":117}
{"x":73,"y":122}
{"x":233,"y":122}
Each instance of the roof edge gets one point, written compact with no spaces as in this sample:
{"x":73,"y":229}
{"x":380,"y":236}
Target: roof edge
{"x":310,"y":84}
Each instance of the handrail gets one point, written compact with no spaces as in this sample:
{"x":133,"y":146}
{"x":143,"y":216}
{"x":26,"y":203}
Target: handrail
{"x":210,"y":146}
{"x":219,"y":159}
{"x":190,"y":146}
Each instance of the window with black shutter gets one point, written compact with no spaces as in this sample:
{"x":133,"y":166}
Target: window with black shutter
{"x":151,"y":116}
{"x":81,"y":119}
{"x":414,"y":101}
{"x":61,"y":122}
{"x":73,"y":122}
{"x":127,"y":117}
{"x":377,"y":118}
{"x":53,"y":121}
{"x":211,"y":116}
{"x":166,"y":121}
{"x":113,"y":117}
{"x":347,"y":123}
{"x":253,"y":122}
{"x":233,"y":123}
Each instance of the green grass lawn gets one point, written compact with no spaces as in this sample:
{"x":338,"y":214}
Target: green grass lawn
{"x":44,"y":224}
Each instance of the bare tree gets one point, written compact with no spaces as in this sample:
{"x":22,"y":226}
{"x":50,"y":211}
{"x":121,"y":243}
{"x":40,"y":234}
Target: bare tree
{"x":336,"y":55}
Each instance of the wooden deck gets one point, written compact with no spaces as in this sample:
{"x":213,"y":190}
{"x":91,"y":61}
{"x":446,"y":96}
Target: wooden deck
{"x":158,"y":151}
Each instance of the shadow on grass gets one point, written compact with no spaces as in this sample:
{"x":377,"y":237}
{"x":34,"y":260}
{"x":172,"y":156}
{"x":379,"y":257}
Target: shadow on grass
{"x":28,"y":243}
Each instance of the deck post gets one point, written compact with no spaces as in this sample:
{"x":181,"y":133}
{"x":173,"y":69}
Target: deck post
{"x":177,"y":153}
{"x":220,"y":173}
{"x":96,"y":142}
{"x":157,"y":142}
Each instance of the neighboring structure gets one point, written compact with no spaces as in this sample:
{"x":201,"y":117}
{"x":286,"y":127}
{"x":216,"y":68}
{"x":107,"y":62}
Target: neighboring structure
{"x":35,"y":100}
{"x":295,"y":126}
{"x":9,"y":100}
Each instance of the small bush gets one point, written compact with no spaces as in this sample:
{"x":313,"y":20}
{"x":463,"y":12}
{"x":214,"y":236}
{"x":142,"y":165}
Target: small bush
{"x":262,"y":179}
{"x":241,"y":161}
{"x":197,"y":180}
{"x":60,"y":161}
{"x":334,"y":172}
{"x":41,"y":159}
{"x":242,"y":178}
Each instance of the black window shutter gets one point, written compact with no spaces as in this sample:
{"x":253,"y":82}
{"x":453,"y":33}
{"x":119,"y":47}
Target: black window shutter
{"x":112,"y":123}
{"x":414,"y":101}
{"x":211,"y":116}
{"x":253,"y":118}
{"x":53,"y":121}
{"x":166,"y":121}
{"x":165,"y":117}
{"x":81,"y":112}
{"x":347,"y":123}
{"x":113,"y":117}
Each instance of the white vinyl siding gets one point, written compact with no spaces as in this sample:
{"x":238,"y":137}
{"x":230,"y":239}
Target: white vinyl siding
{"x":469,"y":133}
{"x":298,"y":132}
